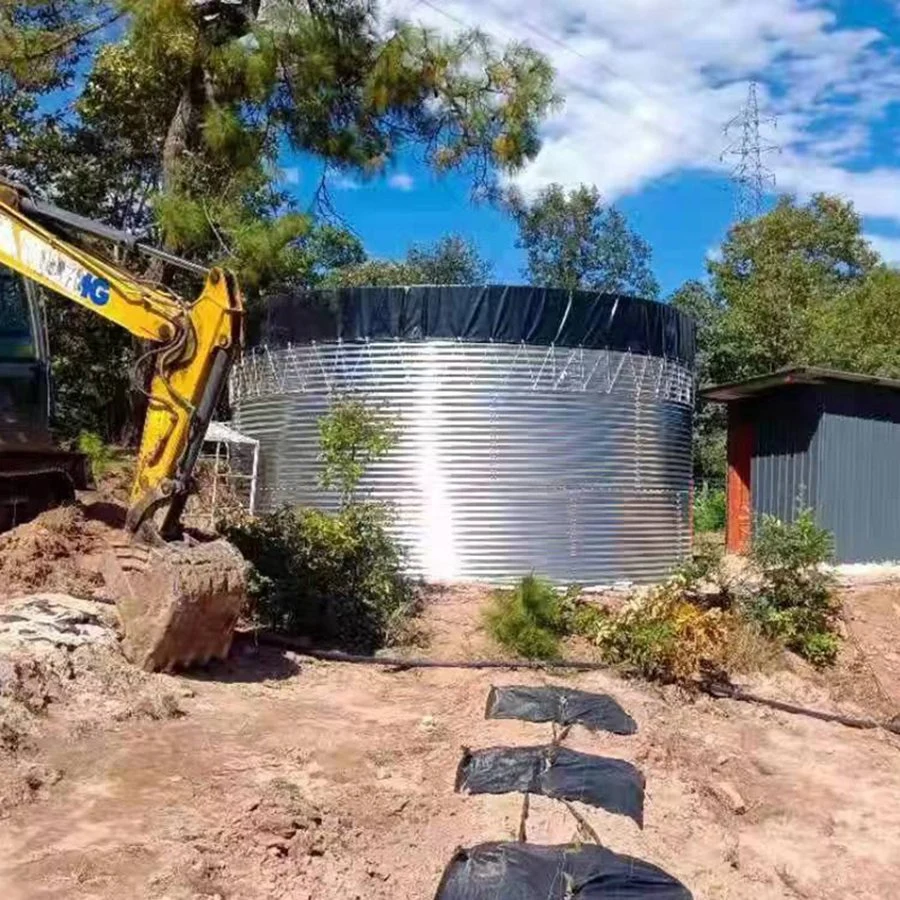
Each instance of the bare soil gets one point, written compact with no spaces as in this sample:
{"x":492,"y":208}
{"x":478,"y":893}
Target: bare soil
{"x":272,"y":776}
{"x":54,"y":552}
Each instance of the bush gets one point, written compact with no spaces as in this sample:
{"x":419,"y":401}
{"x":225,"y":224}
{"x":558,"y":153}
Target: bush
{"x":795,"y":598}
{"x":661,"y":634}
{"x":530,"y":619}
{"x":100,"y":455}
{"x":709,"y":509}
{"x":334,"y":577}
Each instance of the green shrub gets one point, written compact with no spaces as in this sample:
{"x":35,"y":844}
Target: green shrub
{"x":795,"y":601}
{"x":709,"y":509}
{"x":100,"y":454}
{"x":529,"y":619}
{"x":334,"y":577}
{"x":661,"y":633}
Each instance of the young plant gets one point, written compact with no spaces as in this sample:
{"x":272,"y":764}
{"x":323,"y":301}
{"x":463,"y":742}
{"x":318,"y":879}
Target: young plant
{"x":795,"y":600}
{"x":352,"y":435}
{"x":529,"y":619}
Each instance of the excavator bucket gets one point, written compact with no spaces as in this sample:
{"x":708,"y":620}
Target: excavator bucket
{"x":178,"y":603}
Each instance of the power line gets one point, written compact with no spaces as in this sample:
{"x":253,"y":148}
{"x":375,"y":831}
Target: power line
{"x":747,"y":147}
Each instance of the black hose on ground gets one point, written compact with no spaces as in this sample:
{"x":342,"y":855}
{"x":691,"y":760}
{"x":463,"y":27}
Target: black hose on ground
{"x":728,"y":691}
{"x":720,"y":690}
{"x":396,"y":662}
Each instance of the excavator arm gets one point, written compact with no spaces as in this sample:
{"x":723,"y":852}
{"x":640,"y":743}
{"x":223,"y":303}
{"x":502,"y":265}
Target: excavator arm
{"x":196,"y":342}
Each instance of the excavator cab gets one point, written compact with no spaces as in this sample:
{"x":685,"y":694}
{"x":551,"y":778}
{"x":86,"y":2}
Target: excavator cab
{"x":34,"y":474}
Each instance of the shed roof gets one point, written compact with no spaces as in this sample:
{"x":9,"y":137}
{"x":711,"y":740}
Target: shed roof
{"x":762,"y":384}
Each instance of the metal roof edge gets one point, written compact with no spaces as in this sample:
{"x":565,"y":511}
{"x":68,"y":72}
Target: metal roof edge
{"x":761,"y":384}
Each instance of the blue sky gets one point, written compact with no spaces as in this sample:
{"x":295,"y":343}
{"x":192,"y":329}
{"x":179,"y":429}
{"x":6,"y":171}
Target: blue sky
{"x":648,"y":86}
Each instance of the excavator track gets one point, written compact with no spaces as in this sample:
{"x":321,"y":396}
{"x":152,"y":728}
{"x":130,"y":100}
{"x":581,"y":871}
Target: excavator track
{"x":178,"y":602}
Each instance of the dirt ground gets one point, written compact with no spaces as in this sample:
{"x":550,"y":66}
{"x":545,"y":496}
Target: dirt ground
{"x":272,"y":776}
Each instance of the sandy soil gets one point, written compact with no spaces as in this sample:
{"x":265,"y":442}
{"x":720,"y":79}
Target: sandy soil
{"x":275,"y":777}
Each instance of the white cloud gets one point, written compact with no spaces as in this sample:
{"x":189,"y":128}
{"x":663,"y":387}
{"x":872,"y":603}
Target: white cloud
{"x":400,"y":181}
{"x":341,"y":182}
{"x":649,"y":84}
{"x":290,"y":175}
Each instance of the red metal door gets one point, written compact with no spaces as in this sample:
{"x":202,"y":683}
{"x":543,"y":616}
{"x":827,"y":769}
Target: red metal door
{"x":739,"y":520}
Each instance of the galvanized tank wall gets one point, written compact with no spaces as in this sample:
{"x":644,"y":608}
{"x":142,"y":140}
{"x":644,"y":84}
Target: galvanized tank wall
{"x":573,"y":462}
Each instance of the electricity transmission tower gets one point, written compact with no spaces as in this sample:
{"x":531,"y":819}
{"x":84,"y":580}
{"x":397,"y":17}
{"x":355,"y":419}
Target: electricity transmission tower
{"x":747,"y":147}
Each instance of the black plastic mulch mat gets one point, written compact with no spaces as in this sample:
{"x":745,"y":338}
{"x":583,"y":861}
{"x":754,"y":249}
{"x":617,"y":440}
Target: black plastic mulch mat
{"x":611,"y":784}
{"x":566,"y":706}
{"x":508,"y":871}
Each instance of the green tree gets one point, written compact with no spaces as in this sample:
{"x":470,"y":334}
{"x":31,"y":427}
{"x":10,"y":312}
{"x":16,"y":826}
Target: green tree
{"x":573,"y":240}
{"x":707,"y":311}
{"x":798,"y":285}
{"x":450,"y":260}
{"x":352,"y":435}
{"x":781,"y":278}
{"x":218,"y":89}
{"x":174,"y":120}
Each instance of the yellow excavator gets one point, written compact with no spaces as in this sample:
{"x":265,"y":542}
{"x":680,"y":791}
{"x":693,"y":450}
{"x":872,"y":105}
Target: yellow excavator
{"x":178,"y":597}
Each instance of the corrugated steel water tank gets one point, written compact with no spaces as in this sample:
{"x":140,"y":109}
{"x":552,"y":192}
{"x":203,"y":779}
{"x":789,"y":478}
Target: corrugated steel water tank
{"x":539,"y":429}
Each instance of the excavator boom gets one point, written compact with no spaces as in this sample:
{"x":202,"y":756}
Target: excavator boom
{"x":167,"y":621}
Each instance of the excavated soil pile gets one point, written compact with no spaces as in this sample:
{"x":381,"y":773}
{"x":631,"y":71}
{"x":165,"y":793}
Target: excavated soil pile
{"x":55,"y":552}
{"x":63,"y":676}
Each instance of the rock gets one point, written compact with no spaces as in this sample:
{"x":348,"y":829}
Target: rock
{"x":728,"y":794}
{"x":51,"y":621}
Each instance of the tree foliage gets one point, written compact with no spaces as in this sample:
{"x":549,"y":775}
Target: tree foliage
{"x":169,"y":116}
{"x":207,"y":94}
{"x":450,"y":260}
{"x":574,"y":241}
{"x":352,"y":436}
{"x":781,"y":280}
{"x":798,"y":285}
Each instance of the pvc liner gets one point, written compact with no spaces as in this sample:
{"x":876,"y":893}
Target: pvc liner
{"x":506,"y":871}
{"x":611,"y":784}
{"x":565,"y":706}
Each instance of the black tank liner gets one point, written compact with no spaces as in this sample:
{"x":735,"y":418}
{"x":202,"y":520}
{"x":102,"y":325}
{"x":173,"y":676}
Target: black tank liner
{"x":611,"y":784}
{"x":510,"y":871}
{"x":566,"y":706}
{"x":499,"y":313}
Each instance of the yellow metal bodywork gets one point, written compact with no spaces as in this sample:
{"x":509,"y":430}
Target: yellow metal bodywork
{"x":190,"y":337}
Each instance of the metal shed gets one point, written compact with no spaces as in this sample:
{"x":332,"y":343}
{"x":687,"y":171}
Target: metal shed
{"x":809,"y":437}
{"x":540,"y":429}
